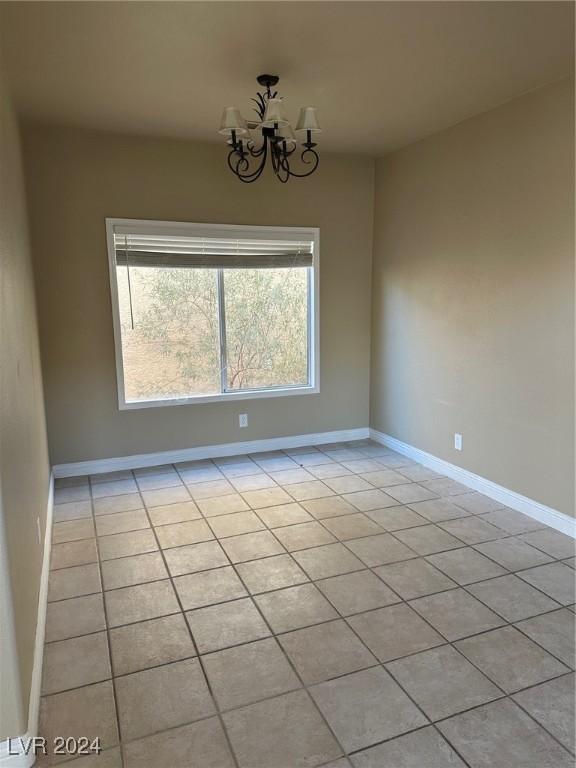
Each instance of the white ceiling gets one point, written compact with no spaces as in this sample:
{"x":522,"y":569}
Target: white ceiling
{"x":382,"y":74}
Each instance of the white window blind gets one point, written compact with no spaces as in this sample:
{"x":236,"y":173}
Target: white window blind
{"x":143,"y":250}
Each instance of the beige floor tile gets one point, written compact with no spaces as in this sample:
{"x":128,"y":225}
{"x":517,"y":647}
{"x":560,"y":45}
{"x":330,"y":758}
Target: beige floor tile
{"x":249,"y":673}
{"x":122,"y":522}
{"x":200,"y":474}
{"x":275,"y":463}
{"x":74,"y":617}
{"x":75,"y":662}
{"x":394,"y":631}
{"x":556,"y":632}
{"x":439,"y":510}
{"x":110,"y":758}
{"x":472,"y":530}
{"x":332,"y":506}
{"x":326,"y":561}
{"x":179,"y":534}
{"x":281,"y":732}
{"x":295,"y":607}
{"x":112,"y":504}
{"x":510,"y":659}
{"x":396,"y":518}
{"x":222,"y":626}
{"x":382,"y":478}
{"x":424,"y":747}
{"x":292,"y":476}
{"x":512,"y":521}
{"x":253,"y":482}
{"x":414,"y":578}
{"x":73,"y":553}
{"x":357,"y":592}
{"x":160,"y":480}
{"x":366,"y":707}
{"x":245,"y":468}
{"x":512,"y":598}
{"x":552,"y":705}
{"x":304,"y":536}
{"x":465,"y":565}
{"x":476,"y":503}
{"x":444,"y":487}
{"x":325,"y":651}
{"x":236,"y":524}
{"x":106,"y":477}
{"x":209,"y":490}
{"x":553,"y":543}
{"x":161,"y":698}
{"x":88,"y":712}
{"x":138,"y":569}
{"x":284,"y":514}
{"x":114,"y":488}
{"x":501,"y":734}
{"x":380,"y":549}
{"x":125,"y":544}
{"x":365,"y":501}
{"x":271,"y":573}
{"x":201,"y":745}
{"x":428,"y":539}
{"x":513,"y":553}
{"x":442,"y":682}
{"x":174,"y":513}
{"x":456,"y":614}
{"x":72,"y":530}
{"x":141,"y":602}
{"x":251,"y":546}
{"x":72,"y":510}
{"x":348,"y":484}
{"x":162,"y":496}
{"x":352,"y":526}
{"x":556,"y":580}
{"x":418,"y":473}
{"x":410,"y":493}
{"x":223,"y":505}
{"x":150,"y":643}
{"x":266,"y":497}
{"x":74,"y":582}
{"x":70,"y":493}
{"x":195,"y":557}
{"x":324,"y":471}
{"x":208,"y":587}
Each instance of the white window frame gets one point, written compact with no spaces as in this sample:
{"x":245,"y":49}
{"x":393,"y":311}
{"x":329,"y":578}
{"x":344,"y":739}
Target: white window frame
{"x":144,"y":226}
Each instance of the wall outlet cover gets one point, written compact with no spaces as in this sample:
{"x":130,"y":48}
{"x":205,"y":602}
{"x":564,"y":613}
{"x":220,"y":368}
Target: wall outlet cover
{"x":243,"y":420}
{"x":457,"y":441}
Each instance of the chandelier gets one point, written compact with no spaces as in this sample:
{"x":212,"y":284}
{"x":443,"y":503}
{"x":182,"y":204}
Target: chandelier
{"x":273,"y":138}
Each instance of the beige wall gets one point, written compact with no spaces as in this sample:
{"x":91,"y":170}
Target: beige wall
{"x":77,"y":178}
{"x":24,"y":469}
{"x":473,"y":295}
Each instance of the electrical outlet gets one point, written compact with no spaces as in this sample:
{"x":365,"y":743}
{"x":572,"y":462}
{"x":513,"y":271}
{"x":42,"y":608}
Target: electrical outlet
{"x":243,"y":420}
{"x":457,"y":441}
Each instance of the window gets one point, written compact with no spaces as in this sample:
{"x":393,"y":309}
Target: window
{"x":208,"y":312}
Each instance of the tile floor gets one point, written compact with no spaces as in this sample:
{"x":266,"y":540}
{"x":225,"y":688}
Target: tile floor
{"x":336,"y":605}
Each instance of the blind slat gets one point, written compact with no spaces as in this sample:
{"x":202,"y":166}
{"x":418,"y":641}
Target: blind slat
{"x":216,"y":252}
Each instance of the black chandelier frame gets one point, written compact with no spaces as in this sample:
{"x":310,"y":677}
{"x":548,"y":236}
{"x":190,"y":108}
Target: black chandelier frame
{"x":273,"y":146}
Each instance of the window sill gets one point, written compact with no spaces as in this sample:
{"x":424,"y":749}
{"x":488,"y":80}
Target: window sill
{"x":260,"y":394}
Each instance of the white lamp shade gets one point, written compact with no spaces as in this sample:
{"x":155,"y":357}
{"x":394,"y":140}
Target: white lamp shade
{"x":232,"y":120}
{"x":274,"y":114}
{"x":308,"y":121}
{"x":285,"y":133}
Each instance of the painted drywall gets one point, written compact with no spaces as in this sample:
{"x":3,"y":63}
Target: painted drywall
{"x":24,"y":468}
{"x":473,"y":295}
{"x":76,"y":178}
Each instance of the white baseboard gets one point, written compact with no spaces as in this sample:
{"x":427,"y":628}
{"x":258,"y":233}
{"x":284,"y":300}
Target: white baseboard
{"x":534,"y":509}
{"x":206,"y":452}
{"x":13,"y":752}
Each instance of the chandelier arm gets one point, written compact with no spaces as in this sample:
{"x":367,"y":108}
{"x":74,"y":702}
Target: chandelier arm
{"x":239,"y":165}
{"x":314,"y":161}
